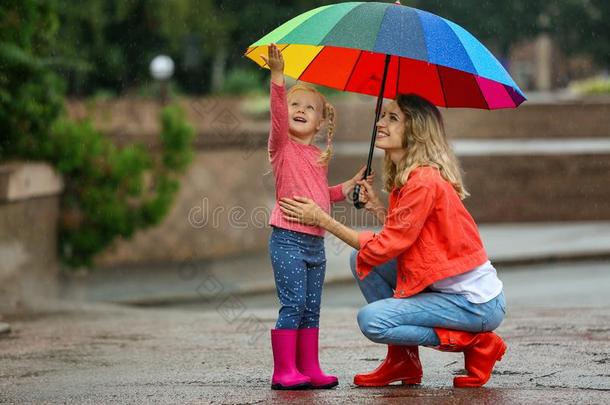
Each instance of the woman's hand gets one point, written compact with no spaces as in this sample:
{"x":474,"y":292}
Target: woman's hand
{"x":370,"y":200}
{"x":275,"y":61}
{"x":348,"y":186}
{"x":303,"y":210}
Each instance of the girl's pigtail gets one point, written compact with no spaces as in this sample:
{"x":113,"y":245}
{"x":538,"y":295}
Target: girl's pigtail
{"x":329,"y":114}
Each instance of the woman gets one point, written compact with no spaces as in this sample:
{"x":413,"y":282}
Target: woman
{"x":425,"y":275}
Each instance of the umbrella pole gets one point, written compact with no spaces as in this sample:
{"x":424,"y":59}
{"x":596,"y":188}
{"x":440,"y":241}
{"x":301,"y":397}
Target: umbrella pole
{"x":367,"y":172}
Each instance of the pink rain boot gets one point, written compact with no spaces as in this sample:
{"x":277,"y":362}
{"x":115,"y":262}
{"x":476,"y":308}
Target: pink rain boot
{"x":307,"y":359}
{"x":285,"y":374}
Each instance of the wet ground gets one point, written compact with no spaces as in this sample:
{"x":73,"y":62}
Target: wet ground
{"x":557,"y":330}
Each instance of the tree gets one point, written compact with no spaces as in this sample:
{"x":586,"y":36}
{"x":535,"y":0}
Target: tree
{"x":30,"y":92}
{"x":108,"y":44}
{"x":106,"y":194}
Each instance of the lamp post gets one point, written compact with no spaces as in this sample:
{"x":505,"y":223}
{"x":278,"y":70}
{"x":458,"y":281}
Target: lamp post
{"x":162,"y":69}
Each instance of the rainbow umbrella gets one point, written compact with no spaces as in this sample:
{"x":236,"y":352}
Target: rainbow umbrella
{"x":385,"y":49}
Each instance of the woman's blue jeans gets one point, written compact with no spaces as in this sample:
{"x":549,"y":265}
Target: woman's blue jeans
{"x":411,"y":321}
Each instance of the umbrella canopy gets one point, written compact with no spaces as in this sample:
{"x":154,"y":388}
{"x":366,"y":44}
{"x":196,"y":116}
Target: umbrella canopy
{"x":346,"y":46}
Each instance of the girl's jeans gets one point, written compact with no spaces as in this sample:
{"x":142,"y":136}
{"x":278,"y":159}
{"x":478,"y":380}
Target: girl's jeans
{"x":410,"y":321}
{"x":299,"y":265}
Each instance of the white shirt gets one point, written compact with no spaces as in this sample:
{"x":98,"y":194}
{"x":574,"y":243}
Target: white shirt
{"x":478,"y":285}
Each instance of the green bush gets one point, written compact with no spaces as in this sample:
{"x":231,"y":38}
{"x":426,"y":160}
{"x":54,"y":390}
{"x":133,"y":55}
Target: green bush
{"x":110,"y":192}
{"x":241,"y":81}
{"x":107,"y":194}
{"x":592,"y":86}
{"x":31,"y":95}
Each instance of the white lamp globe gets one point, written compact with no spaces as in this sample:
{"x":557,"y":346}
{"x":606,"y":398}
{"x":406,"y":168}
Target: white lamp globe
{"x":162,"y":67}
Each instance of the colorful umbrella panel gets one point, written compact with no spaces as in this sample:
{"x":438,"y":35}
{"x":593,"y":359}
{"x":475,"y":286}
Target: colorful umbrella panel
{"x":343,"y":46}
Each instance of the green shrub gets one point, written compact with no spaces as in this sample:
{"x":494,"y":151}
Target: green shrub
{"x":110,"y":192}
{"x":106,"y":190}
{"x":31,"y":95}
{"x":592,"y":86}
{"x":241,"y":81}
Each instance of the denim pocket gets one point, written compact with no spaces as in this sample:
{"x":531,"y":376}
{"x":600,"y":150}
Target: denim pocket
{"x":502,"y":302}
{"x":495,"y":315}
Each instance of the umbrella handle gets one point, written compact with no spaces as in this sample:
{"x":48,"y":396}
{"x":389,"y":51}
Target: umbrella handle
{"x":356,"y":197}
{"x":356,"y":194}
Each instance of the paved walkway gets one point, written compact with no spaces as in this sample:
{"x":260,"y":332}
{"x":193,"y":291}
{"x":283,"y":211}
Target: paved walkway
{"x":107,"y":354}
{"x":218,"y":352}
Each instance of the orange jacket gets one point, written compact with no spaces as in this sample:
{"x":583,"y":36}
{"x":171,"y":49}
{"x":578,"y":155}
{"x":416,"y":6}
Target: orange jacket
{"x":428,"y":230}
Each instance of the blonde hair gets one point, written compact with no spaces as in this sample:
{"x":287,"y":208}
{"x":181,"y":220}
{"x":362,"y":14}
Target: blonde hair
{"x":426,"y":144}
{"x":328,"y":115}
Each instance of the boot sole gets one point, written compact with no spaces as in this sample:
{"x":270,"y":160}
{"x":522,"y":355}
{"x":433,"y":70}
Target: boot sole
{"x":499,"y":354}
{"x":297,"y":387}
{"x":405,"y":381}
{"x":325,"y":386}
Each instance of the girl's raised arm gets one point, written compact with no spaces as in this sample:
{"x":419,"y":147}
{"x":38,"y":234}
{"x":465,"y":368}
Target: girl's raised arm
{"x":279,"y":107}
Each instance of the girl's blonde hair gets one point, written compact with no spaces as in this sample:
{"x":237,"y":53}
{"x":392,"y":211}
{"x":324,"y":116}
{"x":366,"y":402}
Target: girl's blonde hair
{"x":328,"y":115}
{"x":426,"y":144}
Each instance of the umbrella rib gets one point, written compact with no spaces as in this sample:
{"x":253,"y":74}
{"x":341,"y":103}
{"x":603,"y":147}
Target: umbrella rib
{"x":281,"y":51}
{"x":440,"y":79}
{"x":311,"y":62}
{"x":480,"y":91}
{"x":397,"y":77}
{"x":352,"y":72}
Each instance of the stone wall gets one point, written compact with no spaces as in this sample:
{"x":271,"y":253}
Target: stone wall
{"x":221,"y":209}
{"x":29,"y":209}
{"x":231,"y":122}
{"x":225,"y":199}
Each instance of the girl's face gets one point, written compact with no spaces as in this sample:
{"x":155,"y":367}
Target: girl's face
{"x":304,"y":113}
{"x":391,"y":128}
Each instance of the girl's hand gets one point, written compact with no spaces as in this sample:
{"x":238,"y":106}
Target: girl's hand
{"x":303,"y":210}
{"x":348,"y":186}
{"x":368,"y":196}
{"x":274,"y":60}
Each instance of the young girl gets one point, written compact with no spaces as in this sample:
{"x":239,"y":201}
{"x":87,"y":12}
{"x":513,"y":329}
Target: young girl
{"x":425,"y":275}
{"x":297,"y":250}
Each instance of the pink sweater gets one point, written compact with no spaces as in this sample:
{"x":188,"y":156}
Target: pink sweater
{"x":296,"y":168}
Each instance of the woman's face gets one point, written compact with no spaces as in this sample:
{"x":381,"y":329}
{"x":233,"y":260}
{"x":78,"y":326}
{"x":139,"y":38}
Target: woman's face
{"x":391,"y":128}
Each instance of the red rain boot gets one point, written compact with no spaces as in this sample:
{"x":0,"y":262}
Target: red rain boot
{"x":285,"y":373}
{"x":401,"y":363}
{"x":307,"y":359}
{"x":481,"y":351}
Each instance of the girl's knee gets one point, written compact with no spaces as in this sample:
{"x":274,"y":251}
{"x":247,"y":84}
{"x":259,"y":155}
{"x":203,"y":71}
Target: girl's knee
{"x":294,"y":308}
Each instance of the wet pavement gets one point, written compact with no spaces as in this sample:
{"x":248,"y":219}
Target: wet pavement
{"x":219,"y":352}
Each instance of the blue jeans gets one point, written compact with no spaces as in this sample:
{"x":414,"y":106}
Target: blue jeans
{"x":299,"y":266}
{"x":411,"y":321}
